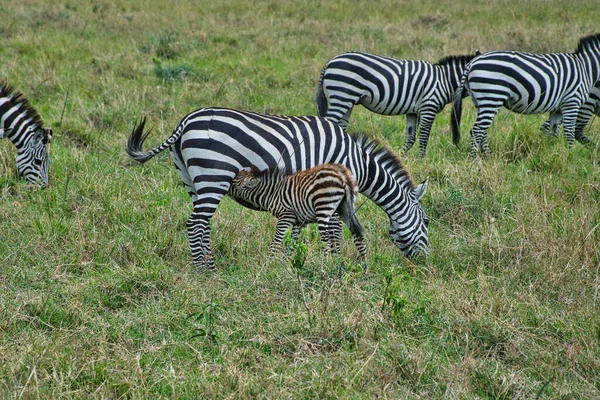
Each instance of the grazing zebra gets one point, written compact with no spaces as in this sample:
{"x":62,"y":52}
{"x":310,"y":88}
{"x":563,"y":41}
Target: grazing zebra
{"x":20,"y":123}
{"x":527,"y":83}
{"x":388,"y":86}
{"x":211,"y":145}
{"x":587,"y":110}
{"x":312,"y":195}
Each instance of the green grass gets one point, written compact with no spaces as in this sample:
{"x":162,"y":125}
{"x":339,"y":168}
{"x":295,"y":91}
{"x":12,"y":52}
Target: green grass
{"x":98,"y":297}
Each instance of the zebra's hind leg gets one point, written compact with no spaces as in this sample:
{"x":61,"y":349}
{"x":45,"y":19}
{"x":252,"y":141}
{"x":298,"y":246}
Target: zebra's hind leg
{"x":198,"y":228}
{"x":479,"y":140}
{"x":550,"y":127}
{"x":334,"y":228}
{"x":410,"y":132}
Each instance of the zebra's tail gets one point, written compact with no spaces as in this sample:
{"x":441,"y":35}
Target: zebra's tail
{"x":138,"y":137}
{"x":321,"y":99}
{"x":457,"y":110}
{"x":346,"y":209}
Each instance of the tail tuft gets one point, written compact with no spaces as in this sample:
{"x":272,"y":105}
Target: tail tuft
{"x":135,"y":142}
{"x":456,"y":115}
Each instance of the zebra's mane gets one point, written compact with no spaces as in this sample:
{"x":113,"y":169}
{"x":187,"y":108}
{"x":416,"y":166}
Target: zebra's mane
{"x":587,"y":42}
{"x":276,"y":173}
{"x":385,"y":157}
{"x":461,"y":59}
{"x":16,"y":97}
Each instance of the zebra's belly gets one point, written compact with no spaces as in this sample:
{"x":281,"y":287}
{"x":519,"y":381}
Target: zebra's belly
{"x":389,"y":108}
{"x":527,"y":106}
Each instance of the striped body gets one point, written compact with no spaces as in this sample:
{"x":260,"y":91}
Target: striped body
{"x":308,"y":196}
{"x":210,"y":146}
{"x":558,"y":83}
{"x":22,"y":125}
{"x":388,"y":86}
{"x":587,"y":110}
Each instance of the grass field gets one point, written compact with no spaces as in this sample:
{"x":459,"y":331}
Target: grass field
{"x":98,"y":297}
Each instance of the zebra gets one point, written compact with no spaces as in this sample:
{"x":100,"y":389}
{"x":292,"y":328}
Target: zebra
{"x":211,"y":145}
{"x":389,"y":86}
{"x":559,"y":83}
{"x":587,"y":110}
{"x":312,"y":195}
{"x":22,"y":125}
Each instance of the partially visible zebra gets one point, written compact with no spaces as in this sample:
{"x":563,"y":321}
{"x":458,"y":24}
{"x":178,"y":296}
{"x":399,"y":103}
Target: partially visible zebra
{"x":559,"y":83}
{"x":389,"y":86}
{"x":308,"y":196}
{"x":22,"y":125}
{"x":587,"y":110}
{"x":211,"y":145}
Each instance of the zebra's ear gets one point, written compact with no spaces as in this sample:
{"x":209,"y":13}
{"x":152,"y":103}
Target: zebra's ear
{"x":252,"y":183}
{"x":421,"y":189}
{"x":248,"y":182}
{"x":48,"y":135}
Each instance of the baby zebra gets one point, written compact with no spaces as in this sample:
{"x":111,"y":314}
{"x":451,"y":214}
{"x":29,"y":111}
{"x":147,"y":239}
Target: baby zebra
{"x":312,"y":195}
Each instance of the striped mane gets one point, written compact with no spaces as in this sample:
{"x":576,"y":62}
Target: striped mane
{"x":587,"y":42}
{"x":16,"y":98}
{"x":449,"y":60}
{"x":271,"y":174}
{"x":385,"y":157}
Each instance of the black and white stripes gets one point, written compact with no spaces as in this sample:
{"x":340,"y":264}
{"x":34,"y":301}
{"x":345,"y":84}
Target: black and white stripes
{"x":558,"y":83}
{"x":22,"y":125}
{"x":308,"y":196}
{"x":211,"y":145}
{"x":388,"y":86}
{"x":586,"y":111}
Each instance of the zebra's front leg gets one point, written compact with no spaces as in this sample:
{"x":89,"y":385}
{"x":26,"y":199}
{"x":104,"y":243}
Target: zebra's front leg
{"x":296,"y":232}
{"x":426,"y":119}
{"x":569,"y":120}
{"x":198,"y":228}
{"x":284,"y":223}
{"x":410,"y":133}
{"x":585,"y":113}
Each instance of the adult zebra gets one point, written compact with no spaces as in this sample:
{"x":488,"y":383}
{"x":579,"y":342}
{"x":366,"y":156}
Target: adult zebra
{"x":558,"y":83}
{"x":211,"y":145}
{"x":22,"y":125}
{"x":587,"y":110}
{"x":389,"y":86}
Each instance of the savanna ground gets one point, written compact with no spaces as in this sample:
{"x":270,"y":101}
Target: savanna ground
{"x":98,"y":297}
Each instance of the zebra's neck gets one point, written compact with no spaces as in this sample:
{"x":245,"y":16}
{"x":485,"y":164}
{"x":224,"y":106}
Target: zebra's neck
{"x":383,"y":180}
{"x":590,"y":56}
{"x":452,"y":74}
{"x":16,"y":122}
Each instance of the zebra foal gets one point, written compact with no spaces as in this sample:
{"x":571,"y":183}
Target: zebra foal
{"x":558,"y":83}
{"x":389,"y":86}
{"x":308,"y":196}
{"x":22,"y":125}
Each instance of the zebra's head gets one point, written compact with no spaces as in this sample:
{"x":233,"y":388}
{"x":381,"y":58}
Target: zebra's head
{"x":410,"y":232}
{"x":32,"y":156}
